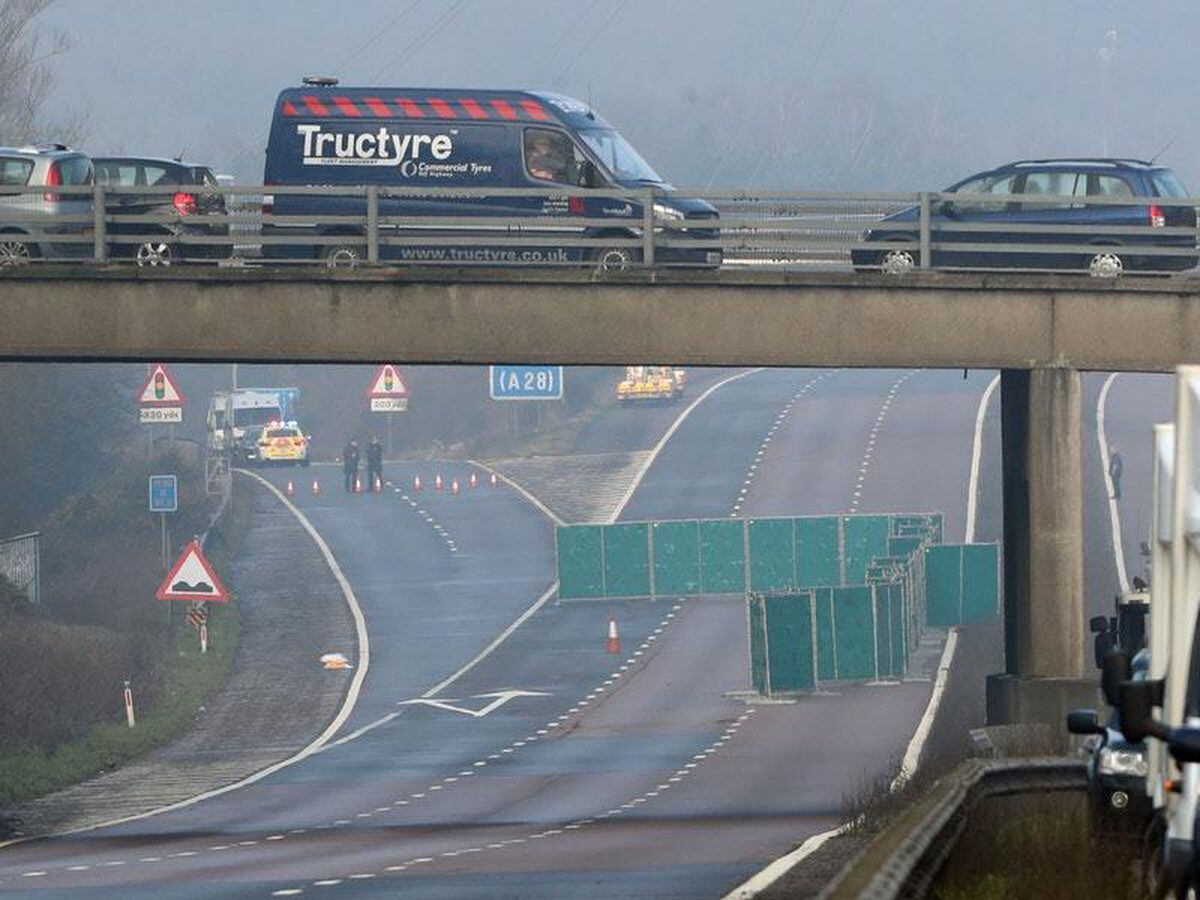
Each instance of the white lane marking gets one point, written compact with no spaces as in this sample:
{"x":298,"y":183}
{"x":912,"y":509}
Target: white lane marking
{"x":360,"y":673}
{"x":976,"y":453}
{"x":662,"y":442}
{"x":1114,"y":515}
{"x":498,"y":698}
{"x":534,"y":501}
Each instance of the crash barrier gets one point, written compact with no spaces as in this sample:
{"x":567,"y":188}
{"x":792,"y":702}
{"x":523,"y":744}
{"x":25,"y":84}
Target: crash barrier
{"x":20,"y":564}
{"x":905,"y":859}
{"x":732,"y":555}
{"x":617,"y":228}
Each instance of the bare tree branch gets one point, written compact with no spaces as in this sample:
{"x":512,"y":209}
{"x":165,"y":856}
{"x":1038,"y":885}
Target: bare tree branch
{"x":26,"y":55}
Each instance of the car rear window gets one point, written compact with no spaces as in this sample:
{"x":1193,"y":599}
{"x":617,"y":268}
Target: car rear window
{"x":281,"y":433}
{"x":14,"y":172}
{"x":75,"y":170}
{"x":1166,"y":184}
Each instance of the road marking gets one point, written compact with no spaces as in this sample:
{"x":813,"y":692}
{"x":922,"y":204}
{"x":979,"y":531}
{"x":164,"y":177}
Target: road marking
{"x":500,"y":699}
{"x":662,"y":442}
{"x":364,"y":661}
{"x":976,"y":453}
{"x":1114,"y":515}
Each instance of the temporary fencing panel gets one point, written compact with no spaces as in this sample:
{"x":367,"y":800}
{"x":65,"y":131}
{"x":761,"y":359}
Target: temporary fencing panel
{"x":961,"y":583}
{"x":783,"y":625}
{"x":772,"y":563}
{"x":722,"y":557}
{"x":826,"y":644}
{"x":854,"y":633}
{"x":627,"y":560}
{"x":580,"y":551}
{"x":818,"y":551}
{"x":676,"y":557}
{"x":865,"y":537}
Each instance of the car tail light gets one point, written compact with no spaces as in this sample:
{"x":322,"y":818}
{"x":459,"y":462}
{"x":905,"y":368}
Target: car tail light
{"x":1157,"y":218}
{"x":185,"y":204}
{"x":53,"y":179}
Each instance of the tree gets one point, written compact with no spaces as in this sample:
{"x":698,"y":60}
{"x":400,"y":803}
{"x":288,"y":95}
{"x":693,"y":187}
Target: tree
{"x":26,"y":53}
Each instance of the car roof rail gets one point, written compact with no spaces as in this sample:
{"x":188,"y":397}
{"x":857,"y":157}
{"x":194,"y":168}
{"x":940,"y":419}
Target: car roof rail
{"x":1086,"y":160}
{"x":50,"y":146}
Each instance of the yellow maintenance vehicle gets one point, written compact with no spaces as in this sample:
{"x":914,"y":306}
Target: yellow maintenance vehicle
{"x":651,"y":383}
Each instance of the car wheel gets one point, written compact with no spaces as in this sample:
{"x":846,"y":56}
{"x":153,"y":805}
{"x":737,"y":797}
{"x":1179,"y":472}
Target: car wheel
{"x":897,"y":262}
{"x":345,"y":256}
{"x":614,"y":259}
{"x":154,"y":253}
{"x":1106,"y":264}
{"x":15,"y":253}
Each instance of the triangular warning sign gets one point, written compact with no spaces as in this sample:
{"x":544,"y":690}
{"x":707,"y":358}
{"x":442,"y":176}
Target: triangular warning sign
{"x":192,"y":578}
{"x":388,"y":382}
{"x":160,"y":389}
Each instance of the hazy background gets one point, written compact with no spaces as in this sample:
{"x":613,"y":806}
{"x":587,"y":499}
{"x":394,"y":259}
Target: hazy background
{"x":855,"y":94}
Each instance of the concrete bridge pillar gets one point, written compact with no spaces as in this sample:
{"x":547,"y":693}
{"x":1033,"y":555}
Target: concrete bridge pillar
{"x":1044,"y":639}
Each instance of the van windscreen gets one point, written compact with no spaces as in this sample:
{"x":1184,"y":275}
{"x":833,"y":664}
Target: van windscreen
{"x":618,"y":155}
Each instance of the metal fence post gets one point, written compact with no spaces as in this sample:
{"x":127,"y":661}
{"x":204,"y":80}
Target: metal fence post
{"x":99,"y":225}
{"x":925,"y":207}
{"x":373,"y":224}
{"x":648,"y":228}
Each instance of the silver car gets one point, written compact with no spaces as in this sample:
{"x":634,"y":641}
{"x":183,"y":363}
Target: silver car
{"x":28,"y":226}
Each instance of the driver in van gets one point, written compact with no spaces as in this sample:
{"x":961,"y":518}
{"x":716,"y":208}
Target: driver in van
{"x":544,"y":160}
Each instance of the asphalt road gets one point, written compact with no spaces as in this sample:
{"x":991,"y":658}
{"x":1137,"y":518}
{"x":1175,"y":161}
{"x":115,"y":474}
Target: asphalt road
{"x":551,"y":767}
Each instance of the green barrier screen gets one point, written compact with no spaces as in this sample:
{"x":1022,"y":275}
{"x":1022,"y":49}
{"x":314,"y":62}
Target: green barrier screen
{"x":789,"y":642}
{"x":722,"y":557}
{"x":772,"y":567}
{"x":854,"y":633}
{"x":580,"y":561}
{"x":826,"y":651}
{"x":981,"y":581}
{"x":676,"y":557}
{"x":756,"y":624}
{"x":626,"y":560}
{"x":943,"y":586}
{"x":865,"y":538}
{"x":899,"y":636}
{"x":818,"y":556}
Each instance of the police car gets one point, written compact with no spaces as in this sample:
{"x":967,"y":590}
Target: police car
{"x":283,"y":442}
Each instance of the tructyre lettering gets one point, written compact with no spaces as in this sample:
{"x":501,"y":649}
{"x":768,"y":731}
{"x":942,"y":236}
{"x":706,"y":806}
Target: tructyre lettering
{"x":377,"y":148}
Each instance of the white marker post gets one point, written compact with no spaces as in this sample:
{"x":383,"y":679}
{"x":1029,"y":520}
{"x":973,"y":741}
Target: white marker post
{"x":129,"y":705}
{"x":203,"y":638}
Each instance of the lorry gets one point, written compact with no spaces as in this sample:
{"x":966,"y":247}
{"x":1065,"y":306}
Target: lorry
{"x":651,"y":383}
{"x":237,"y":417}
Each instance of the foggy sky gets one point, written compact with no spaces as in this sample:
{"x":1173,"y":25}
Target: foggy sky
{"x":817,"y":94}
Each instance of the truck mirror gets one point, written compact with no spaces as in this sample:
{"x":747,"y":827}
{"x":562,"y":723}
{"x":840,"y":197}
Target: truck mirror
{"x":1083,"y":721}
{"x":1184,"y":744}
{"x":1137,"y":708}
{"x":1114,"y":669}
{"x":588,"y":176}
{"x":1097,"y":624}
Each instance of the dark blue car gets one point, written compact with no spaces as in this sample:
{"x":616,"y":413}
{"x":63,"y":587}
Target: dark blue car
{"x":552,"y":147}
{"x":1013,"y":233}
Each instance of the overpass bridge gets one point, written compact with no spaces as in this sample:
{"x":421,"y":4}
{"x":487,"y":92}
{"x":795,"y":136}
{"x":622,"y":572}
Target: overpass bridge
{"x":1040,"y":331}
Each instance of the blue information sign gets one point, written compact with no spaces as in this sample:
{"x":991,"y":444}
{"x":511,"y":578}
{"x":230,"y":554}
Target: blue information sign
{"x":525,"y":382}
{"x":164,"y":494}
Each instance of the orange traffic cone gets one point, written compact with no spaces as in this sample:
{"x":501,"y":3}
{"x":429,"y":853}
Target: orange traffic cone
{"x":416,"y":483}
{"x":437,"y":481}
{"x":614,"y":639}
{"x":454,"y":486}
{"x":291,"y":489}
{"x":494,"y":480}
{"x":316,"y":488}
{"x":357,"y":485}
{"x":474,"y":482}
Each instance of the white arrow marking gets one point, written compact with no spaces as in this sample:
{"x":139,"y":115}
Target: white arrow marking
{"x":501,"y":697}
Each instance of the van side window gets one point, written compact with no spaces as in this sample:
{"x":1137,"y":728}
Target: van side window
{"x":550,"y":156}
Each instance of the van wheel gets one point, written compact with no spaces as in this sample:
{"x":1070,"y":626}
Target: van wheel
{"x":614,"y":259}
{"x":1106,"y":264}
{"x":15,"y":253}
{"x":155,"y":253}
{"x":345,"y":256}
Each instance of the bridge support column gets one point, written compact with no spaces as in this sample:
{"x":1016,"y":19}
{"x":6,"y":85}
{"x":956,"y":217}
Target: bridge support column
{"x":1043,"y":550}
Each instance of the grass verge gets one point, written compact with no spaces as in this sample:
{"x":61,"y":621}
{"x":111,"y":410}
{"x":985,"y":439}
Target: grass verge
{"x":190,"y":679}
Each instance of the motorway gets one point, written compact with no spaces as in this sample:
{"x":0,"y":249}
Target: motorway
{"x":549,"y":766}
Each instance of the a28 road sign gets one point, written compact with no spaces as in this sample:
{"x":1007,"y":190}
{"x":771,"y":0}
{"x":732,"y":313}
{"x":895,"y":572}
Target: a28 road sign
{"x":525,"y":382}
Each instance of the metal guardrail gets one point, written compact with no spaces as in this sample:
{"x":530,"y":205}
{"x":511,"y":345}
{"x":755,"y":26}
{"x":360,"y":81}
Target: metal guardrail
{"x":904,"y":861}
{"x":374,"y":225}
